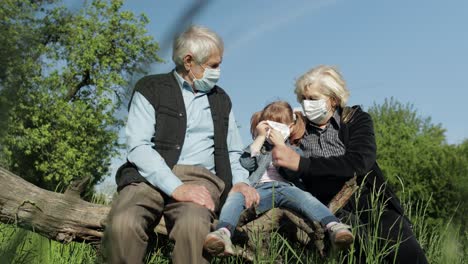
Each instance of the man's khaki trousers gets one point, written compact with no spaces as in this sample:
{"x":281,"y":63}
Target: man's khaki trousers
{"x":138,"y":209}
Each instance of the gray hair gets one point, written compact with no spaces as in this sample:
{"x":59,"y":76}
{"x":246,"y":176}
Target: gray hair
{"x":200,"y":41}
{"x":328,"y":79}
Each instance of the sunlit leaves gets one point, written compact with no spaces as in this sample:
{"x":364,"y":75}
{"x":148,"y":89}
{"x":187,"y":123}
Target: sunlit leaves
{"x":413,"y":150}
{"x":66,"y":76}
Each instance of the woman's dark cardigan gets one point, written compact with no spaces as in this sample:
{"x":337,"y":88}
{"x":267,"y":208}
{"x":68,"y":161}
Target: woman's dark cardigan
{"x":324,"y":177}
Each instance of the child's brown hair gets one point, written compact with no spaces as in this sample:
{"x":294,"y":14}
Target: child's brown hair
{"x":281,"y":112}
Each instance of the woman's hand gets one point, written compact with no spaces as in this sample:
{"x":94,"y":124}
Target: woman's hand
{"x":285,"y":157}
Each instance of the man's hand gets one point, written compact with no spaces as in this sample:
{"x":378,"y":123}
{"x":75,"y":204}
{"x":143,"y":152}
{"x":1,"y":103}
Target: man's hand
{"x":285,"y":157}
{"x":250,"y":194}
{"x":195,"y":194}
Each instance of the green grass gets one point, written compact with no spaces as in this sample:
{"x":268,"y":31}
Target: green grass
{"x":20,"y":246}
{"x":443,"y":242}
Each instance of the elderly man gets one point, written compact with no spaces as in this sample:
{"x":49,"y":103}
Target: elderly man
{"x":183,"y":155}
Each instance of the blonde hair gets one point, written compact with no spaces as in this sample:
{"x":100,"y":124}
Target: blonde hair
{"x":281,"y":112}
{"x":198,"y":40}
{"x":329,"y":81}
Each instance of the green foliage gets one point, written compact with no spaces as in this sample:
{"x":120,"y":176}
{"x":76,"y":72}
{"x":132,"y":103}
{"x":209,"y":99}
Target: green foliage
{"x":444,"y":242}
{"x":19,"y":46}
{"x":414,"y":151}
{"x":21,"y":246}
{"x":64,"y":78}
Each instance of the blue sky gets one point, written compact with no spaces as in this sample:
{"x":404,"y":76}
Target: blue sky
{"x":414,"y":51}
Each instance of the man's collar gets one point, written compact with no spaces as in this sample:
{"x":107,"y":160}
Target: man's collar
{"x":183,"y":84}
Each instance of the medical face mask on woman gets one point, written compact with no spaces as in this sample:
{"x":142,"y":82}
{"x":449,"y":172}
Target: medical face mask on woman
{"x":280,"y":127}
{"x":208,"y":80}
{"x":315,"y":110}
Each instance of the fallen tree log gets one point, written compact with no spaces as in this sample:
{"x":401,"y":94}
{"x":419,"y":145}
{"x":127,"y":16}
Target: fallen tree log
{"x":60,"y":217}
{"x":66,"y":217}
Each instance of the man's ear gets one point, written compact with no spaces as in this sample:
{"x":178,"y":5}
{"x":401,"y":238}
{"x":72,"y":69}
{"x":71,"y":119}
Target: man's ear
{"x":188,"y":60}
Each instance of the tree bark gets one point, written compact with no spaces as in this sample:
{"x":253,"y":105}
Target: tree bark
{"x":66,"y":217}
{"x":57,"y":216}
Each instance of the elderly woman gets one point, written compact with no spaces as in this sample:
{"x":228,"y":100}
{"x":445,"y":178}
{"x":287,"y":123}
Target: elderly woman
{"x":339,"y":143}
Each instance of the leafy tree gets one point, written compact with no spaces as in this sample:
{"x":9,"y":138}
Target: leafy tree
{"x":413,"y":154}
{"x":66,"y":75}
{"x":18,"y":49}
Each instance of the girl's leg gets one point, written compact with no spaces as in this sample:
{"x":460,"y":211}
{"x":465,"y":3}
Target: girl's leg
{"x":291,"y":197}
{"x":235,"y":204}
{"x":231,"y":211}
{"x":219,"y":242}
{"x":267,"y":199}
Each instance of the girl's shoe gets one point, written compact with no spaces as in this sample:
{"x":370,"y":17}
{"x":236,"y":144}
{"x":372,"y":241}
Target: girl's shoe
{"x":341,"y":236}
{"x":218,"y":243}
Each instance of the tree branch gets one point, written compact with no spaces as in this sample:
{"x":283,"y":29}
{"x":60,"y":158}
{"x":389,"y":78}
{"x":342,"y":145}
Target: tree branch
{"x":73,"y":91}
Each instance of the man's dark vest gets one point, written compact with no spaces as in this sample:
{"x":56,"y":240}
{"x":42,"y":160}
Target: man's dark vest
{"x":165,"y":95}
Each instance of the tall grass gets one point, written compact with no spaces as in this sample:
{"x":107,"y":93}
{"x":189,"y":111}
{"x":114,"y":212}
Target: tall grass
{"x":20,"y":246}
{"x":443,"y":242}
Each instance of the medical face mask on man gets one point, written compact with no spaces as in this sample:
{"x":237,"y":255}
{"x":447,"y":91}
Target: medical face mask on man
{"x":208,"y":80}
{"x":315,"y":110}
{"x":280,"y":127}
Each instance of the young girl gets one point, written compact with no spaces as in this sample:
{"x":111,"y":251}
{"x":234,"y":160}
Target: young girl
{"x":277,"y":186}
